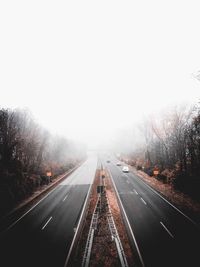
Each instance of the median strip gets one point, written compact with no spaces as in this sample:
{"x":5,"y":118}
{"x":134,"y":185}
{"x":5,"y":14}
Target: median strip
{"x":103,"y":241}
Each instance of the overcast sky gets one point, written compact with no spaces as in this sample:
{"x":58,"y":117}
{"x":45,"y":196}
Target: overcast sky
{"x":85,"y":68}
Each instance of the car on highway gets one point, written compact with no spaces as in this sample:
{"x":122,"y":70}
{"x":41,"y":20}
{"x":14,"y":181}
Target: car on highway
{"x":108,"y":161}
{"x":118,"y":163}
{"x":125,"y":169}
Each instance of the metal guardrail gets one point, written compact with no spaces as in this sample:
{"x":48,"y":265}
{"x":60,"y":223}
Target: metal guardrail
{"x":93,"y":227}
{"x":79,"y":226}
{"x":113,"y":231}
{"x":127,"y":224}
{"x":115,"y":235}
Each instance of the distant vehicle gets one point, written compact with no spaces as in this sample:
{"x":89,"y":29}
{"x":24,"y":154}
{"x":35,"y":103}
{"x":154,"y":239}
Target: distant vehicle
{"x":118,"y":164}
{"x":125,"y":169}
{"x":108,"y":161}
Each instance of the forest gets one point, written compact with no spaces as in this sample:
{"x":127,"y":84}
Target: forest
{"x":171,"y":146}
{"x":27,"y":153}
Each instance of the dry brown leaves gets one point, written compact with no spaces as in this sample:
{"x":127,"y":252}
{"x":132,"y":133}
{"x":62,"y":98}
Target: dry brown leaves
{"x":181,"y":200}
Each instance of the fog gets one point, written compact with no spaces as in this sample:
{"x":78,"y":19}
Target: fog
{"x":92,"y":71}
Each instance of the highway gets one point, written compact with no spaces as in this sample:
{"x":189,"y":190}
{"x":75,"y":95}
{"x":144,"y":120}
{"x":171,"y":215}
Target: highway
{"x":44,"y":235}
{"x":164,"y":236}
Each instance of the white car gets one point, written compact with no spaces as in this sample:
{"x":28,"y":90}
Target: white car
{"x":125,"y":169}
{"x":118,"y":163}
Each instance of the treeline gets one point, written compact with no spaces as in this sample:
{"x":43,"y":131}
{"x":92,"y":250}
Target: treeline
{"x":172,"y":146}
{"x":27,"y":153}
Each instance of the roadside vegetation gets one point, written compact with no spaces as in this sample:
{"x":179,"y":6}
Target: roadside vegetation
{"x":30,"y":157}
{"x":170,"y":149}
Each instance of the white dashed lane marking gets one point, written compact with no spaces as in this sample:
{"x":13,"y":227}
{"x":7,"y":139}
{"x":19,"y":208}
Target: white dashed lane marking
{"x":136,"y":192}
{"x":143,"y":200}
{"x":46,"y":223}
{"x":65,"y":197}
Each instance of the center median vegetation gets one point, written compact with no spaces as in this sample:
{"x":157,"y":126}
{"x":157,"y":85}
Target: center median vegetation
{"x":103,"y":240}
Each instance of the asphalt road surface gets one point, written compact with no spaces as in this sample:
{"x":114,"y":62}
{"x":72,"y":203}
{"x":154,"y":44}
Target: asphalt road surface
{"x":164,"y":236}
{"x":44,"y":235}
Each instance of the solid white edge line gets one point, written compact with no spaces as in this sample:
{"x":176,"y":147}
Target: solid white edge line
{"x":46,"y":223}
{"x":9,"y":227}
{"x":143,"y":201}
{"x":167,"y":229}
{"x":137,"y":248}
{"x":166,"y":200}
{"x":79,"y":222}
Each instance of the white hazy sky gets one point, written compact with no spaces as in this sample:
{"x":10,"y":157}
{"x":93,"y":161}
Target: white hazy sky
{"x":86,"y":68}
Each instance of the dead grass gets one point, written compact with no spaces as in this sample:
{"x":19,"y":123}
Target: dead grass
{"x":104,"y":252}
